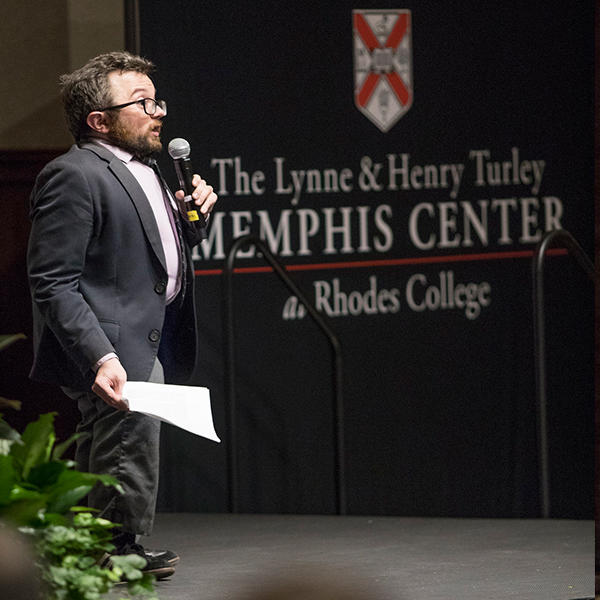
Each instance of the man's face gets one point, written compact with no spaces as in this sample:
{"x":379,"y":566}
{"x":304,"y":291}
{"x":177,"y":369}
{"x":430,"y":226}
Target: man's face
{"x":131,"y":128}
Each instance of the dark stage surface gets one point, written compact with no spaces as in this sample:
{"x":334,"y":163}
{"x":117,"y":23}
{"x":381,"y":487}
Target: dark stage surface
{"x":390,"y":557}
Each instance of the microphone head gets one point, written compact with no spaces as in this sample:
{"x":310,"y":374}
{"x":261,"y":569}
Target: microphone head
{"x":179,"y":148}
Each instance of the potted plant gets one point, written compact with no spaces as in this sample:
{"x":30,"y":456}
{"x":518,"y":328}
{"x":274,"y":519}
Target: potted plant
{"x":39,"y":495}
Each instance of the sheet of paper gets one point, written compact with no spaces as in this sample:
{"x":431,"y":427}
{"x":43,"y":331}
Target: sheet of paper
{"x":185,"y":406}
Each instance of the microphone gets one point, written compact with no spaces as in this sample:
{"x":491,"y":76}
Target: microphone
{"x":179,"y":150}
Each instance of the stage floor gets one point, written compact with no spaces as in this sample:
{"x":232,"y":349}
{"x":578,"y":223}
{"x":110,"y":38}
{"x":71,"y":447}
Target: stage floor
{"x":223,"y":555}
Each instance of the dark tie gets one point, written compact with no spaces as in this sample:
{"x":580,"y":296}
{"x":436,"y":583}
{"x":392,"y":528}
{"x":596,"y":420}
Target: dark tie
{"x":175,"y":223}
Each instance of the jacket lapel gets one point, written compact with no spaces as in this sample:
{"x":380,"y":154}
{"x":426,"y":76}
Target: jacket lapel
{"x":137,"y":195}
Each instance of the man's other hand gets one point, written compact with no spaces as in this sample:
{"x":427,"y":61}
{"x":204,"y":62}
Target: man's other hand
{"x":110,"y":379}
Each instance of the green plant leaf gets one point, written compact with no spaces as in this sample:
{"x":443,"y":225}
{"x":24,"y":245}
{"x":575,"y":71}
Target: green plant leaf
{"x":72,"y":486}
{"x":85,"y":562}
{"x":88,"y":520}
{"x":7,"y":432}
{"x":24,"y":511}
{"x":143,"y":586}
{"x":38,"y":440}
{"x":20,"y":492}
{"x":61,"y":448}
{"x":109,"y":480}
{"x":46,"y":474}
{"x":48,"y":519}
{"x":40,"y":495}
{"x":61,"y":500}
{"x":9,"y":403}
{"x":7,"y":339}
{"x":76,"y":509}
{"x":8,"y":478}
{"x":130,"y":564}
{"x":8,"y":436}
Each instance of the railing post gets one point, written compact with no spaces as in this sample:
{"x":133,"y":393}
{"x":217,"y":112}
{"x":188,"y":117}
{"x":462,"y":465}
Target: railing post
{"x":561,"y":238}
{"x":230,"y":379}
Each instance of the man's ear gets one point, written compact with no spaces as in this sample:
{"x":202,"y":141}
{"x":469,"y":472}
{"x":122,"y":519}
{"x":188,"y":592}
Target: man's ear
{"x":97,"y":122}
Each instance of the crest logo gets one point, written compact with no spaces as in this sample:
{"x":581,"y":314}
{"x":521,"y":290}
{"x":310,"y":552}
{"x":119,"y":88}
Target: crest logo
{"x":383,"y":86}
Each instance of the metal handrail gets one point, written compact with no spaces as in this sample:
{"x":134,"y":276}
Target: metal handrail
{"x":337,"y":403}
{"x":560,"y":238}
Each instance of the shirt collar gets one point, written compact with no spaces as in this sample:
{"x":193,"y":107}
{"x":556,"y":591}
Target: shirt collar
{"x":118,"y":152}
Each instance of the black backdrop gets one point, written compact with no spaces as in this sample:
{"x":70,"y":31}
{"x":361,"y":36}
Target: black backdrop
{"x":440,"y":399}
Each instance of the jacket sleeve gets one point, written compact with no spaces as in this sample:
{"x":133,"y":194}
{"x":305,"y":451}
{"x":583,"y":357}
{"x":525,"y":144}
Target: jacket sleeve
{"x":63,"y":223}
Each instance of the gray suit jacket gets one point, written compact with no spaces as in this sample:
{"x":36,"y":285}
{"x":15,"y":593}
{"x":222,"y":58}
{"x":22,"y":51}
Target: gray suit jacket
{"x":97,"y":272}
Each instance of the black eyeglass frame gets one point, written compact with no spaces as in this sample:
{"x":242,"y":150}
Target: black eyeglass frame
{"x":157,"y":104}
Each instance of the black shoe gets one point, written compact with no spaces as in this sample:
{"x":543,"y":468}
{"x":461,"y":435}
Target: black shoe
{"x":166,"y":555}
{"x":155,"y":564}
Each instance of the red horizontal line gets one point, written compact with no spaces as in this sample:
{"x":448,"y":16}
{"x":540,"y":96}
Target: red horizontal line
{"x":390,"y":262}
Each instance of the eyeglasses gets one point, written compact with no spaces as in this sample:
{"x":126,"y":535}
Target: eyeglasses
{"x":150,"y":106}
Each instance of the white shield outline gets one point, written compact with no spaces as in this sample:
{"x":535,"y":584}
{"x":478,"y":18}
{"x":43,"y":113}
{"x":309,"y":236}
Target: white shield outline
{"x":383,"y":80}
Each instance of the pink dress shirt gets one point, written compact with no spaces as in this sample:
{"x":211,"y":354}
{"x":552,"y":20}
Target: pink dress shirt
{"x":157,"y":198}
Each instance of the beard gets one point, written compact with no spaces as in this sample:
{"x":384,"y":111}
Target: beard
{"x":142,"y":145}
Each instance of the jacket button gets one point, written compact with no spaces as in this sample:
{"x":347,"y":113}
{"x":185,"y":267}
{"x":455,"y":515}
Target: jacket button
{"x":154,"y":335}
{"x":160,"y":287}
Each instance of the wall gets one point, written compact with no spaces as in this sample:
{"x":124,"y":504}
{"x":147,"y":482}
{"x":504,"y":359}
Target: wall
{"x":40,"y":41}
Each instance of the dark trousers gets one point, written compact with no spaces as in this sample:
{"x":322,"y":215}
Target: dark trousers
{"x":125,"y":445}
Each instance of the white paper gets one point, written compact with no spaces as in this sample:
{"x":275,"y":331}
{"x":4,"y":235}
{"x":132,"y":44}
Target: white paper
{"x":184,"y":406}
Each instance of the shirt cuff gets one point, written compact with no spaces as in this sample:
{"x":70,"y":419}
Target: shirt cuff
{"x":100,"y":362}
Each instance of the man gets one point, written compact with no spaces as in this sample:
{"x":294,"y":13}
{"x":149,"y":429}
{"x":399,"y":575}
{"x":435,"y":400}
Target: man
{"x":111,"y":280}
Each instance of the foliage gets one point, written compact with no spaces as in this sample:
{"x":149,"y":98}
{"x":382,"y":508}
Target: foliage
{"x":5,"y":341}
{"x":39,"y":492}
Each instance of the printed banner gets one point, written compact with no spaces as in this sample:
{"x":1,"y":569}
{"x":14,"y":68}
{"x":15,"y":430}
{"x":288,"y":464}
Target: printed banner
{"x":403,"y":163}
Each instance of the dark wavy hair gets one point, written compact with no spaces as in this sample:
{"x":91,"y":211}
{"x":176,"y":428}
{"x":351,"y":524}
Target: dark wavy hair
{"x":87,"y":89}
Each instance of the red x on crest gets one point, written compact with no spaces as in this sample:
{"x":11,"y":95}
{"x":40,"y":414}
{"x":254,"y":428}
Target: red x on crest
{"x":372,"y":43}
